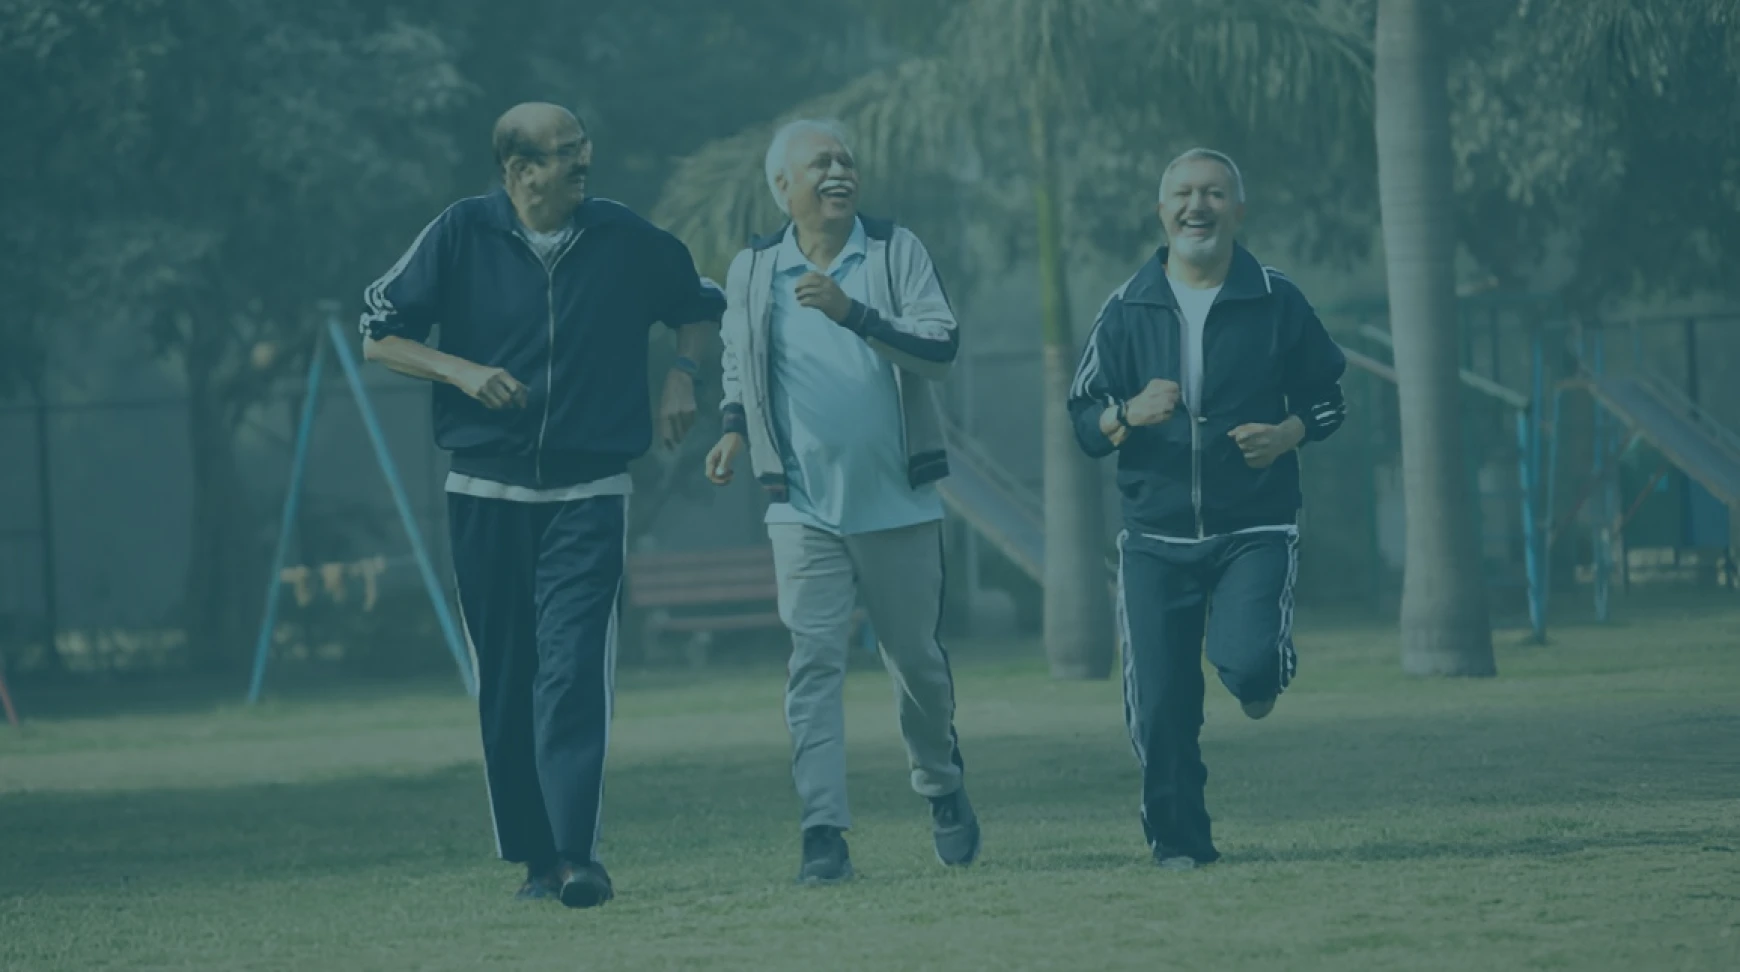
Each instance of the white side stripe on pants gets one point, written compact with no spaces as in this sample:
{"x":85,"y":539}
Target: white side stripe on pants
{"x":610,"y":634}
{"x":1284,"y":639}
{"x":477,"y":679}
{"x":1131,"y":697}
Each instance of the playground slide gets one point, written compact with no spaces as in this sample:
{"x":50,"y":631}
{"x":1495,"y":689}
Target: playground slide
{"x":1702,"y":448}
{"x":1475,"y":382}
{"x":1004,"y":511}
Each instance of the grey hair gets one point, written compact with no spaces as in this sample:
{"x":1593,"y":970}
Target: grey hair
{"x":1210,"y":154}
{"x":777,"y":150}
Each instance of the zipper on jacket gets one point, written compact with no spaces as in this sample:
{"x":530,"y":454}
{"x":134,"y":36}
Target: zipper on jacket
{"x":550,"y":349}
{"x":763,"y":388}
{"x":899,"y":386}
{"x":1196,"y":422}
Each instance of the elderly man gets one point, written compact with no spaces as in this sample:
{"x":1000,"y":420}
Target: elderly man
{"x":544,"y":299}
{"x":1204,"y":372}
{"x":836,"y":331}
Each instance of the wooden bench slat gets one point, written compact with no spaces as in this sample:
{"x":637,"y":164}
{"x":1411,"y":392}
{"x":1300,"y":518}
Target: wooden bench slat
{"x":701,"y":578}
{"x":687,"y":598}
{"x":721,"y":622}
{"x":670,"y":561}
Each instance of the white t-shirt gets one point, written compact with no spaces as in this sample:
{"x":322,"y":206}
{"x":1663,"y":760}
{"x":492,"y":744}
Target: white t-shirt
{"x":1195,"y":304}
{"x":545,"y":245}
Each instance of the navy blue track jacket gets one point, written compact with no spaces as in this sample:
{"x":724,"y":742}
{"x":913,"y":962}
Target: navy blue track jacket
{"x":575,"y":336}
{"x":1265,"y":356}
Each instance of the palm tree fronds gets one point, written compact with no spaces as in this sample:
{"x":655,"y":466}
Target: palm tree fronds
{"x":899,"y":121}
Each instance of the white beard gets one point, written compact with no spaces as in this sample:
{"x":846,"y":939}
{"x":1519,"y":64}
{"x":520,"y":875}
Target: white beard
{"x":1195,"y":249}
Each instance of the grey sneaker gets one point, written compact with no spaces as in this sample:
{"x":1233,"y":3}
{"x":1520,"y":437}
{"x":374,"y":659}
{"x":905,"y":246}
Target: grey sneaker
{"x":955,"y":828}
{"x":826,"y":860}
{"x":542,"y":884}
{"x":1173,"y":859}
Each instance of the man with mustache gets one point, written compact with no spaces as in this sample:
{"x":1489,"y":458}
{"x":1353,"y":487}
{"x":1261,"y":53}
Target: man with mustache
{"x":1204,"y":372}
{"x":836,"y":332}
{"x":544,"y":299}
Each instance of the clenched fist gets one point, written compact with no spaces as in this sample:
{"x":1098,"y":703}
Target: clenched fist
{"x":1154,"y":405}
{"x":819,"y":290}
{"x":494,"y":387}
{"x":1262,"y":444}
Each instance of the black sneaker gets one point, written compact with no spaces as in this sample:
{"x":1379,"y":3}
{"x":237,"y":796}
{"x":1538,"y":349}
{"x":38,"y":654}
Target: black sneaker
{"x":542,"y":884}
{"x":826,"y":858}
{"x":586,"y":886}
{"x":1173,"y":859}
{"x":955,"y":829}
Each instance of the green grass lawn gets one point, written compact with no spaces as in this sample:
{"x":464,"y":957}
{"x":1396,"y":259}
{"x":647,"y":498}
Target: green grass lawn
{"x":1581,"y":812}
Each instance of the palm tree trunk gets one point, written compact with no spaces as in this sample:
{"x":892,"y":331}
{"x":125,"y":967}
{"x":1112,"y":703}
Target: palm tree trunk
{"x":1078,"y":623}
{"x":1446,"y":629}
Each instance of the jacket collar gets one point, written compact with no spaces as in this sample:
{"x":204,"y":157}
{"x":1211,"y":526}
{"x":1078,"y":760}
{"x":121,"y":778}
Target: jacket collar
{"x":880,"y":230}
{"x":1245,"y":279}
{"x":591,"y":212}
{"x":787,"y":256}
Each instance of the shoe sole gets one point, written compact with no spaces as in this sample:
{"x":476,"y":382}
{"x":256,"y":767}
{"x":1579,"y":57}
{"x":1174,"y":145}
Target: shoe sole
{"x":846,"y":874}
{"x":585,"y":895}
{"x":972,"y":856}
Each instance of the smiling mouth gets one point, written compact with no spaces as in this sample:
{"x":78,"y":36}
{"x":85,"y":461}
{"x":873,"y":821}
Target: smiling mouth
{"x":835,"y":190}
{"x":1196,"y":227}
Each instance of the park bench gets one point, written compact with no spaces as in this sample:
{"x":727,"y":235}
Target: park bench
{"x":702,"y":593}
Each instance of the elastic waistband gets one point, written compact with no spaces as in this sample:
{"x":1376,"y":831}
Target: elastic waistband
{"x":552,"y":470}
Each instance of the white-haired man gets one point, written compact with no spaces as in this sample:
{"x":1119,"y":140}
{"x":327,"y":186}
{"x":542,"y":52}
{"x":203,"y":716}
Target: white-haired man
{"x":835,"y":332}
{"x":1204,"y":372}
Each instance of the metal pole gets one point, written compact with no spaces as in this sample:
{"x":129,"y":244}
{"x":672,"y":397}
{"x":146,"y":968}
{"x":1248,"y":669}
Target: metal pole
{"x":6,"y":702}
{"x":287,"y":526}
{"x":45,"y":513}
{"x":1601,"y":538}
{"x":426,"y":567}
{"x":1526,"y":419}
{"x":1687,"y":486}
{"x":1375,"y":554}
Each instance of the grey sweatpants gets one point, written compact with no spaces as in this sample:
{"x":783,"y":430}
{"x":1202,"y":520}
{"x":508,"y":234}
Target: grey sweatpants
{"x":899,"y":575}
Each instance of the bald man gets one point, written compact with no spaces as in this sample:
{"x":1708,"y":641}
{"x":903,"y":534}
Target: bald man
{"x":544,"y":300}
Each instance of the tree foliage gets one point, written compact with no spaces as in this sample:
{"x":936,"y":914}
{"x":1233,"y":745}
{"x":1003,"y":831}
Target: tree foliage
{"x":202,"y":174}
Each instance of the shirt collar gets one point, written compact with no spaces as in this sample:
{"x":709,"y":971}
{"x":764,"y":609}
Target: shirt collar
{"x":789,"y":257}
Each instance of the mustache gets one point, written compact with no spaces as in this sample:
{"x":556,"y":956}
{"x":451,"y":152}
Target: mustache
{"x":579,"y":172}
{"x":836,"y":184}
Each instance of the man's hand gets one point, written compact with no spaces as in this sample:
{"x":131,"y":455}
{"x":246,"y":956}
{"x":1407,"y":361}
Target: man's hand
{"x":493,"y":387}
{"x":1113,"y":429}
{"x":819,"y":290}
{"x":722,"y":457}
{"x":1263,"y":444}
{"x":1154,"y":405}
{"x":676,"y":408}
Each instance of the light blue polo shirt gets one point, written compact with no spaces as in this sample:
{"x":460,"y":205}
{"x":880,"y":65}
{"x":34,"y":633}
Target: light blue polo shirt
{"x":836,"y":410}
